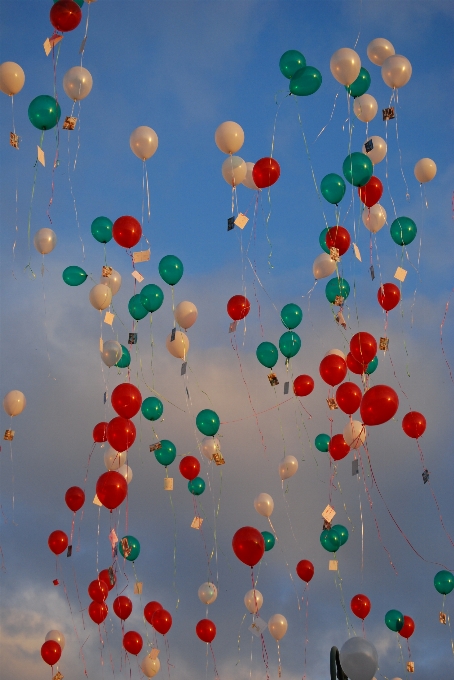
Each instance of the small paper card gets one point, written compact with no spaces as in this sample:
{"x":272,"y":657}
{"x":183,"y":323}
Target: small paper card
{"x":154,"y":654}
{"x":383,"y":344}
{"x":155,"y":447}
{"x":332,"y":565}
{"x":141,"y":255}
{"x":286,"y":387}
{"x":232,"y":327}
{"x":340,"y":319}
{"x":388,"y":114}
{"x":41,"y":157}
{"x":328,"y":513}
{"x":109,"y":317}
{"x":230,"y":223}
{"x":272,"y":377}
{"x":196,"y":523}
{"x":183,"y":367}
{"x":334,"y":254}
{"x":82,"y":45}
{"x":69,"y":123}
{"x":105,"y":397}
{"x":332,"y":405}
{"x":355,"y":467}
{"x":138,"y":588}
{"x":14,"y":140}
{"x":96,"y":501}
{"x":137,"y":276}
{"x":442,"y":618}
{"x":132,"y":338}
{"x":51,"y":42}
{"x":410,"y":666}
{"x":372,"y":272}
{"x":125,"y":547}
{"x":369,"y":145}
{"x":218,"y":458}
{"x":69,"y":552}
{"x":357,"y":253}
{"x":101,"y":344}
{"x":400,"y":274}
{"x":258,"y":626}
{"x":168,"y":483}
{"x":111,"y":576}
{"x":241,"y":220}
{"x":113,"y":538}
{"x":339,"y":300}
{"x":425,"y":476}
{"x":106,"y":271}
{"x":58,"y":676}
{"x":9,"y":435}
{"x":172,"y":334}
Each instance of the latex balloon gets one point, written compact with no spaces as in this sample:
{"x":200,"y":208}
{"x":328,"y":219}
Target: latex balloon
{"x":355,"y":366}
{"x":149,"y":609}
{"x":348,"y":397}
{"x":425,"y":170}
{"x":150,"y":666}
{"x":207,"y":593}
{"x":338,"y":447}
{"x":394,"y":620}
{"x":111,"y":351}
{"x":196,"y":486}
{"x":74,"y":498}
{"x":322,"y":442}
{"x":363,"y":347}
{"x":341,"y":532}
{"x":378,"y":151}
{"x":209,"y":446}
{"x":266,"y":172}
{"x":57,"y":542}
{"x":206,"y":630}
{"x":108,"y":577}
{"x":374,"y":218}
{"x":360,"y":606}
{"x":357,"y":169}
{"x":345,"y":65}
{"x":408,"y":628}
{"x":277,"y":625}
{"x":143,"y":142}
{"x":127,"y":231}
{"x":151,"y":297}
{"x":14,"y":403}
{"x":332,"y":188}
{"x":56,"y":636}
{"x":132,"y":551}
{"x":166,"y":454}
{"x":132,"y":642}
{"x":371,"y":192}
{"x":371,"y":366}
{"x":248,"y":181}
{"x":189,"y":467}
{"x":125,"y":358}
{"x":238,"y":307}
{"x":126,"y":400}
{"x":360,"y":85}
{"x":305,"y":570}
{"x":111,"y":489}
{"x":388,"y":296}
{"x":77,"y":83}
{"x":186,"y":314}
{"x":338,"y":237}
{"x":291,"y":315}
{"x":74,"y":276}
{"x":178,"y":347}
{"x":269,"y":540}
{"x":359,"y":659}
{"x":330,"y":540}
{"x":171,"y":269}
{"x":126,"y":472}
{"x":354,"y":434}
{"x":288,"y":467}
{"x":65,"y":15}
{"x":414,"y":424}
{"x":248,"y":545}
{"x":98,"y":590}
{"x":291,"y":62}
{"x":100,"y":297}
{"x":379,"y":49}
{"x":100,"y":432}
{"x":267,"y":354}
{"x":337,"y":289}
{"x":333,"y":369}
{"x":51,"y":650}
{"x":98,"y":612}
{"x":338,"y":352}
{"x":152,"y":408}
{"x":162,"y":621}
{"x":264,"y":504}
{"x":229,"y":137}
{"x":323,"y":266}
{"x":322,"y":240}
{"x":253,"y":601}
{"x":113,"y":281}
{"x":396,"y":71}
{"x":45,"y":241}
{"x":444,"y":582}
{"x":403,"y":231}
{"x":378,"y":405}
{"x":101,"y":229}
{"x":12,"y":78}
{"x":305,"y":82}
{"x":303,"y":385}
{"x":290,"y":344}
{"x":207,"y":422}
{"x":365,"y":108}
{"x":44,"y":111}
{"x":234,"y":170}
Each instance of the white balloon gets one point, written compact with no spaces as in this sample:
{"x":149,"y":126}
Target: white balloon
{"x":186,"y":314}
{"x":354,"y":434}
{"x":374,"y":218}
{"x":229,"y":137}
{"x":179,"y":347}
{"x":365,"y":108}
{"x":210,"y":446}
{"x":113,"y":281}
{"x":12,"y":78}
{"x":113,"y":460}
{"x":277,"y":625}
{"x":111,"y":352}
{"x":380,"y":49}
{"x":150,"y":666}
{"x":77,"y":83}
{"x":253,"y":601}
{"x":45,"y":240}
{"x":126,"y":472}
{"x":248,"y":181}
{"x":359,"y":659}
{"x":288,"y":467}
{"x":100,"y":296}
{"x":264,"y":504}
{"x":396,"y":71}
{"x":379,"y":150}
{"x":143,"y":142}
{"x":425,"y":170}
{"x":207,"y":593}
{"x":323,"y":266}
{"x":338,"y":352}
{"x":234,"y":170}
{"x":56,"y":636}
{"x":14,"y":402}
{"x":345,"y":65}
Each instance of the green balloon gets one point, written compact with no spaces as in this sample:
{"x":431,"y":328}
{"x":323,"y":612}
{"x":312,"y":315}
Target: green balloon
{"x":394,"y":620}
{"x":291,"y":315}
{"x":322,"y":240}
{"x":342,"y":532}
{"x":289,"y":344}
{"x":196,"y":486}
{"x":444,"y":582}
{"x":151,"y":297}
{"x":333,"y":188}
{"x":360,"y":85}
{"x":291,"y":62}
{"x":166,"y":454}
{"x":74,"y":275}
{"x":125,"y":358}
{"x":357,"y":169}
{"x":330,"y":540}
{"x":267,"y":354}
{"x":136,"y":308}
{"x":152,"y":408}
{"x":208,"y":422}
{"x":306,"y":81}
{"x":79,"y":2}
{"x":403,"y":231}
{"x":101,"y":229}
{"x":171,"y":269}
{"x":44,"y":112}
{"x":269,"y":540}
{"x":337,"y":287}
{"x":133,"y":550}
{"x":322,"y":442}
{"x":372,"y":366}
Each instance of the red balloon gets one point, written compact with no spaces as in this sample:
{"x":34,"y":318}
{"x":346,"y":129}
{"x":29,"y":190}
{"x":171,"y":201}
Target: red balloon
{"x":189,"y":467}
{"x":122,"y":607}
{"x":126,"y":400}
{"x":248,"y":545}
{"x":121,"y":433}
{"x":338,"y":447}
{"x":57,"y":542}
{"x":111,"y":489}
{"x":206,"y":630}
{"x":238,"y":307}
{"x":408,"y":628}
{"x":303,"y":385}
{"x":105,"y":576}
{"x":348,"y":397}
{"x":333,"y":369}
{"x":132,"y":642}
{"x":51,"y":652}
{"x":338,"y":237}
{"x":74,"y":498}
{"x":414,"y":424}
{"x":305,"y":570}
{"x":363,"y":347}
{"x":355,"y":366}
{"x":100,"y":432}
{"x":127,"y":231}
{"x":371,"y":192}
{"x":65,"y":15}
{"x":388,"y":296}
{"x":150,"y":609}
{"x":98,"y":611}
{"x":162,"y":621}
{"x":265,"y":172}
{"x":378,"y":405}
{"x":360,"y":606}
{"x":98,"y":590}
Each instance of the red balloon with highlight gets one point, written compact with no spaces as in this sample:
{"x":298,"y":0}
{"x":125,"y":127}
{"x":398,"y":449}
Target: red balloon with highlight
{"x":371,"y":192}
{"x":57,"y":542}
{"x":248,"y":545}
{"x":360,"y":606}
{"x":162,"y":621}
{"x":414,"y":424}
{"x":305,"y":570}
{"x":98,"y":612}
{"x":98,"y":590}
{"x":189,"y":467}
{"x":100,"y":432}
{"x":378,"y":405}
{"x":150,"y":609}
{"x":363,"y":347}
{"x":121,"y":433}
{"x":348,"y":397}
{"x":338,"y":447}
{"x":303,"y":385}
{"x":388,"y":296}
{"x":338,"y":237}
{"x":206,"y":630}
{"x":105,"y":576}
{"x":122,"y":607}
{"x":75,"y":498}
{"x":65,"y":15}
{"x":355,"y":366}
{"x":238,"y":307}
{"x":333,"y":369}
{"x":51,"y":652}
{"x":127,"y":231}
{"x":266,"y":172}
{"x":408,"y":628}
{"x":111,"y":489}
{"x":132,"y":642}
{"x":126,"y":400}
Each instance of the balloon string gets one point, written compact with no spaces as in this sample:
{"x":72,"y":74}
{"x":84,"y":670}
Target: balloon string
{"x":12,"y":114}
{"x":148,"y":193}
{"x":407,"y":193}
{"x":78,"y":135}
{"x":216,"y":674}
{"x":264,"y":651}
{"x":45,"y":321}
{"x":196,"y":515}
{"x":58,"y":567}
{"x":338,"y":584}
{"x":441,"y":334}
{"x":73,"y":197}
{"x":262,"y":286}
{"x":286,"y":562}
{"x":239,"y":640}
{"x":330,"y":119}
{"x":30,"y":209}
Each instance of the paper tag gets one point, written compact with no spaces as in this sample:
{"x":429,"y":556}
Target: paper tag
{"x":69,"y":123}
{"x":132,"y":339}
{"x":41,"y":157}
{"x":137,"y":276}
{"x":241,"y":220}
{"x":196,"y":523}
{"x":400,"y":274}
{"x":340,"y":319}
{"x":355,"y":467}
{"x":82,"y":45}
{"x":332,"y":565}
{"x":272,"y":377}
{"x":183,"y":367}
{"x":369,"y":145}
{"x":356,"y":251}
{"x":168,"y":483}
{"x":101,"y":344}
{"x":141,"y":255}
{"x":425,"y":476}
{"x":47,"y":47}
{"x":105,"y":397}
{"x":154,"y":653}
{"x":49,"y":43}
{"x":258,"y":626}
{"x":218,"y":458}
{"x":107,"y":271}
{"x":69,"y":552}
{"x":138,"y":588}
{"x":113,"y":538}
{"x":172,"y":334}
{"x":388,"y":114}
{"x":109,"y":317}
{"x":372,"y":272}
{"x":9,"y":435}
{"x":383,"y":344}
{"x":96,"y":501}
{"x":155,"y":447}
{"x":14,"y":140}
{"x":332,"y":405}
{"x":328,"y":513}
{"x":111,"y":576}
{"x":442,"y":618}
{"x":230,"y":223}
{"x":410,"y":666}
{"x":232,"y":327}
{"x":58,"y":676}
{"x":286,"y":386}
{"x":334,"y":254}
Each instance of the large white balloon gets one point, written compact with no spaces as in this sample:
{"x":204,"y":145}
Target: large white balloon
{"x":126,"y":472}
{"x":113,"y":281}
{"x":338,"y":352}
{"x":253,"y":601}
{"x":365,"y":108}
{"x":210,"y":446}
{"x":77,"y":83}
{"x":186,"y":314}
{"x":380,"y":49}
{"x":234,"y":170}
{"x":207,"y":593}
{"x":374,"y":218}
{"x":56,"y":636}
{"x":143,"y":142}
{"x":180,"y":346}
{"x":354,"y":434}
{"x":45,"y":240}
{"x":111,"y":352}
{"x":248,"y":181}
{"x":379,"y":150}
{"x":288,"y":467}
{"x":14,"y":402}
{"x":396,"y":71}
{"x":425,"y":170}
{"x":150,"y":666}
{"x":264,"y":504}
{"x":323,"y":266}
{"x":113,"y":460}
{"x":12,"y":78}
{"x":277,"y":625}
{"x":100,"y":296}
{"x":359,"y":659}
{"x":345,"y":65}
{"x":229,"y":137}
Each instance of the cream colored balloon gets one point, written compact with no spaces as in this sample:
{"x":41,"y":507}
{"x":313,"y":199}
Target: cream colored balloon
{"x":264,"y":504}
{"x":143,"y":142}
{"x":229,"y":137}
{"x":113,"y":281}
{"x":337,"y":352}
{"x":374,"y":218}
{"x":126,"y":472}
{"x":288,"y":467}
{"x":425,"y":170}
{"x":365,"y":108}
{"x":210,"y":446}
{"x":323,"y":266}
{"x":345,"y":65}
{"x":14,"y":402}
{"x":45,"y":240}
{"x":379,"y":150}
{"x":186,"y":314}
{"x":354,"y":434}
{"x":179,"y":347}
{"x":77,"y":83}
{"x":253,"y":601}
{"x":150,"y":666}
{"x":380,"y":49}
{"x":207,"y":593}
{"x":111,"y":352}
{"x":56,"y":636}
{"x":396,"y":71}
{"x":113,"y":460}
{"x":100,"y":296}
{"x":12,"y":78}
{"x":234,"y":170}
{"x":277,"y":625}
{"x":248,"y":181}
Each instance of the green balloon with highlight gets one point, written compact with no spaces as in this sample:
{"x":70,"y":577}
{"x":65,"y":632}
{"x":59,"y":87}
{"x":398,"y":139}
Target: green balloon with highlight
{"x":125,"y":358}
{"x":337,"y":288}
{"x":291,"y":315}
{"x":152,"y":408}
{"x":44,"y":112}
{"x":372,"y":366}
{"x":166,"y":454}
{"x":444,"y":582}
{"x":291,"y":62}
{"x":305,"y":82}
{"x":101,"y":229}
{"x":357,"y":169}
{"x":267,"y":354}
{"x":360,"y":85}
{"x":208,"y":422}
{"x":332,"y":188}
{"x":322,"y":240}
{"x":171,"y":269}
{"x":136,"y":308}
{"x":196,"y":486}
{"x":394,"y":620}
{"x":342,"y":532}
{"x":151,"y":297}
{"x":269,"y":540}
{"x":290,"y":344}
{"x":74,"y":276}
{"x":322,"y":442}
{"x":403,"y":231}
{"x":330,"y":540}
{"x":133,"y":550}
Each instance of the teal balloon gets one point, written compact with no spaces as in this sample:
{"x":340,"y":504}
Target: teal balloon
{"x":125,"y":358}
{"x":291,"y":315}
{"x":342,"y":532}
{"x":305,"y":82}
{"x":403,"y":231}
{"x":337,"y":287}
{"x":291,"y":62}
{"x":330,"y":540}
{"x":133,"y":545}
{"x":332,"y":188}
{"x":44,"y":112}
{"x":208,"y":422}
{"x":394,"y":619}
{"x":151,"y":297}
{"x":269,"y":540}
{"x":267,"y":354}
{"x":136,"y":308}
{"x":166,"y":454}
{"x":171,"y":269}
{"x":196,"y":486}
{"x":372,"y":366}
{"x":74,"y":275}
{"x":101,"y":229}
{"x":360,"y":85}
{"x":357,"y":169}
{"x":152,"y":408}
{"x":444,"y":582}
{"x":79,"y":2}
{"x":322,"y":240}
{"x":289,"y":344}
{"x":322,"y":442}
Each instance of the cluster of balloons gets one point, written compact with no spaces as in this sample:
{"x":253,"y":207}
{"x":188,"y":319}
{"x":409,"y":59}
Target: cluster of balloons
{"x":52,"y":647}
{"x":304,"y":80}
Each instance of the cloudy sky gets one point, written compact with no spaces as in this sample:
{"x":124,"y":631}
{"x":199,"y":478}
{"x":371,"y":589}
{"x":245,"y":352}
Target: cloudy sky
{"x":183,"y":68}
